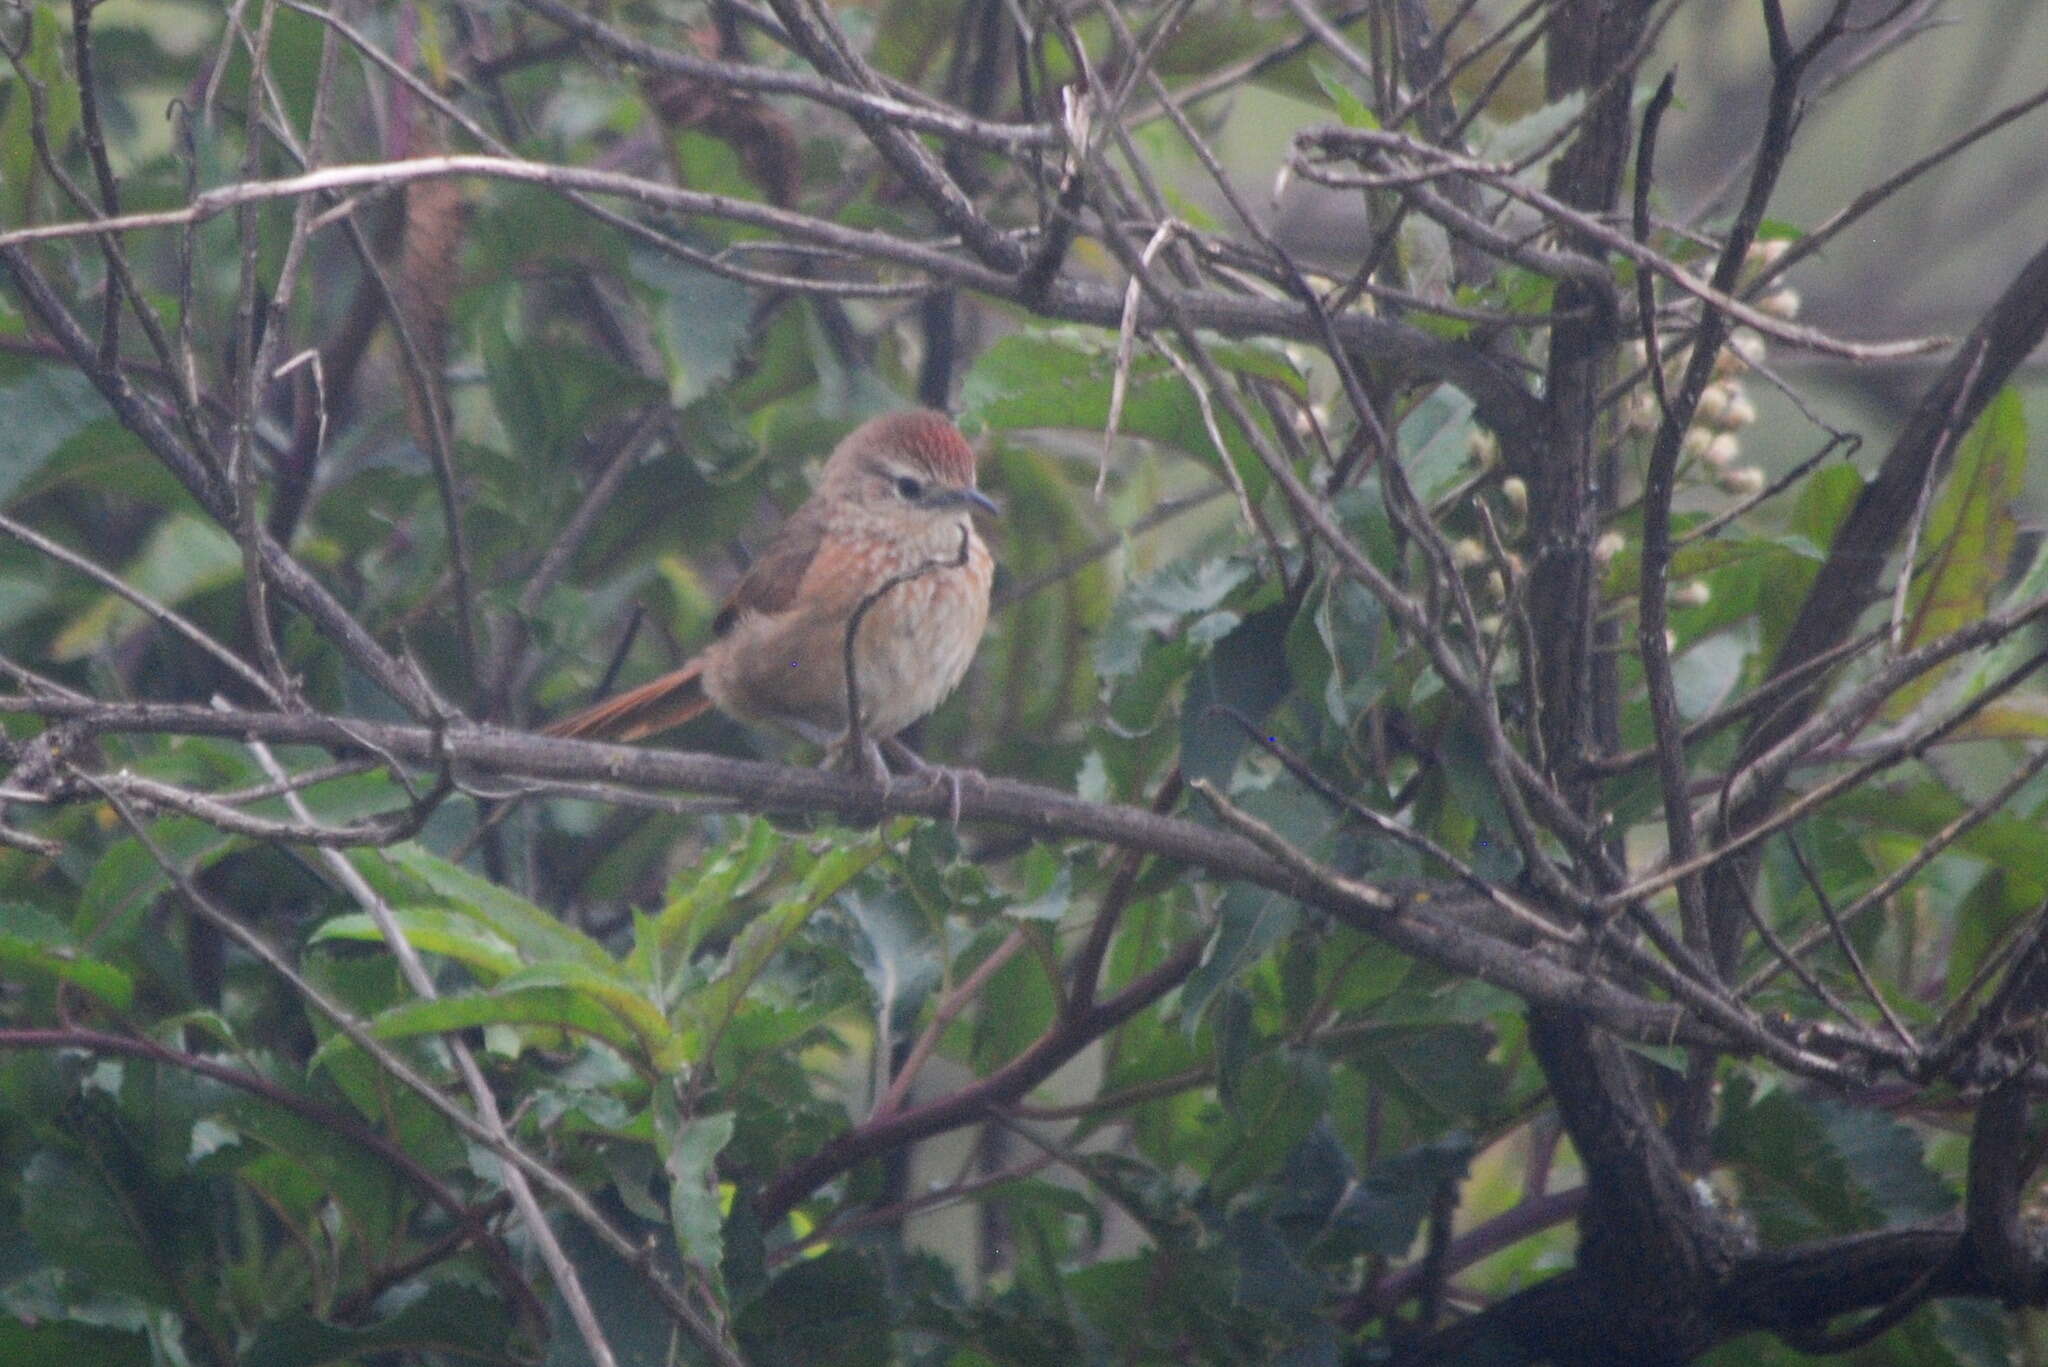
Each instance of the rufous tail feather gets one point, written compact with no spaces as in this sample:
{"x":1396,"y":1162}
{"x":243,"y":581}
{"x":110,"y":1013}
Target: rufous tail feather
{"x":651,"y":708}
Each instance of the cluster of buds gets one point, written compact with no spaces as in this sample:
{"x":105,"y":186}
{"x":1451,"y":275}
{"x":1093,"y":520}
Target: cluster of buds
{"x":1712,"y":440}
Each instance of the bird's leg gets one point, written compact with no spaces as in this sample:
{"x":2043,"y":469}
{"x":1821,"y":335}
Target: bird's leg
{"x":862,"y":761}
{"x":909,"y":761}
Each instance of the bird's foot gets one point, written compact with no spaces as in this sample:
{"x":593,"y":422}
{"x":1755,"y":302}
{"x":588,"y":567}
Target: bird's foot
{"x":864,"y":761}
{"x":909,"y":761}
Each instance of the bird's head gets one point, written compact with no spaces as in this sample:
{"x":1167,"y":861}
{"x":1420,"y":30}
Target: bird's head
{"x":906,"y":465}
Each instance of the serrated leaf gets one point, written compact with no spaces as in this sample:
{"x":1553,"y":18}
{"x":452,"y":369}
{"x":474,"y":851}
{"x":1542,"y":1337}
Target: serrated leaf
{"x":694,"y":1211}
{"x":1062,"y":378}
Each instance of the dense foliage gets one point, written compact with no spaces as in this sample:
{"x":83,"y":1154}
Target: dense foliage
{"x":1458,"y":858}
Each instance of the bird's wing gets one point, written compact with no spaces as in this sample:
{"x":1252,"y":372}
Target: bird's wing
{"x":771,"y":585}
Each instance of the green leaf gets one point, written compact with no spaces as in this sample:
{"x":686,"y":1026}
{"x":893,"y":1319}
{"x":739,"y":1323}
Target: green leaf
{"x":45,"y":408}
{"x":33,"y":941}
{"x":693,"y":1204}
{"x":697,"y":902}
{"x":443,"y":1319}
{"x":43,"y":59}
{"x":828,"y":1311}
{"x":1349,"y":107}
{"x":1969,"y":537}
{"x":432,"y":930}
{"x":665,"y":1048}
{"x":1062,"y":378}
{"x":535,"y":934}
{"x":561,"y":1008}
{"x":185,"y":556}
{"x":1383,"y":1212}
{"x":767,"y":934}
{"x":1278,"y":1098}
{"x":703,"y":321}
{"x":1514,"y":141}
{"x":1436,"y":442}
{"x":1246,"y":673}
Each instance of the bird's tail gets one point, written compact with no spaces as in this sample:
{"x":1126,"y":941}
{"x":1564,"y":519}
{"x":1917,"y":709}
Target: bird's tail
{"x":651,"y":708}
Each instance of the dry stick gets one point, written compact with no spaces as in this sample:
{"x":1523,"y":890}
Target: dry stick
{"x":1084,"y":969}
{"x":1440,"y":163}
{"x":640,"y":232}
{"x":165,"y":616}
{"x":1922,"y":856}
{"x":2018,"y":939}
{"x":1651,"y":884}
{"x":252,"y":358}
{"x":1501,"y":756}
{"x":1514,"y":907}
{"x":1764,"y":771}
{"x":922,"y":118}
{"x":943,"y":1015}
{"x":1806,"y":675}
{"x":102,"y":169}
{"x":213,"y":495}
{"x":414,"y":971}
{"x":1690,"y":988}
{"x":1504,"y":403}
{"x":1653,"y":611}
{"x":1788,"y":959}
{"x":371,"y":831}
{"x":1943,"y":442}
{"x":1848,"y":946}
{"x":431,"y":392}
{"x":819,"y":41}
{"x":1428,"y":924}
{"x":554,"y":562}
{"x":1066,"y":1037}
{"x":360,"y":1033}
{"x":1833,"y":226}
{"x":184,"y":395}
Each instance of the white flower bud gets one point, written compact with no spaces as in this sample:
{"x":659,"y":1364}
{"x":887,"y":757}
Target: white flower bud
{"x":1743,"y":480}
{"x":1467,"y":552}
{"x":1744,"y":350}
{"x":1722,"y":451}
{"x":1642,"y":411}
{"x":1780,"y":303}
{"x":1608,"y":546}
{"x":1515,"y":492}
{"x":1693,"y":593}
{"x":1484,"y":446}
{"x":1768,"y":251}
{"x":1741,"y":412}
{"x":1713,"y":405}
{"x":1638,"y":353}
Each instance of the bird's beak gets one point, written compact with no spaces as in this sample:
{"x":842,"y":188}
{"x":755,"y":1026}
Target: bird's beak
{"x":965,"y":498}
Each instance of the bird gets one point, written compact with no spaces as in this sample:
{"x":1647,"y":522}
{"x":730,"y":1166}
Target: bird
{"x":886,"y":540}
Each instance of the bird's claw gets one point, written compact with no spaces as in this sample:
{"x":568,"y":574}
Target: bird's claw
{"x":952,"y":778}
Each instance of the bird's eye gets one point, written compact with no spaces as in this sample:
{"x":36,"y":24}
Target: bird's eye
{"x":909,"y":486}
